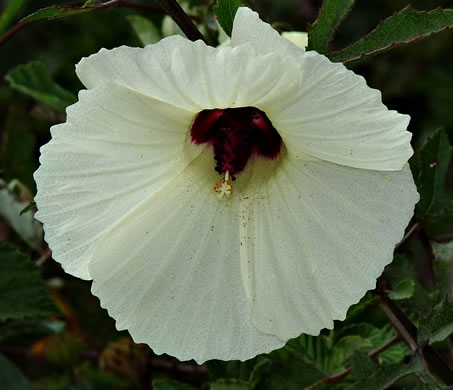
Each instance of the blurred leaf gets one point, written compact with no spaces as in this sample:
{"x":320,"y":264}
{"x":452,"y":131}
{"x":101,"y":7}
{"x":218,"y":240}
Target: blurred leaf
{"x":64,"y":349}
{"x":225,"y":10}
{"x":343,"y":351}
{"x":383,"y":378}
{"x":362,"y":365}
{"x":17,"y":147}
{"x":433,"y":162}
{"x":12,"y":329}
{"x":261,"y":368}
{"x":30,"y":207}
{"x":403,"y":268}
{"x":26,"y":226}
{"x":90,"y":3}
{"x":316,"y":349}
{"x":439,"y":324}
{"x":11,"y":378}
{"x":377,"y":337}
{"x":235,"y":369}
{"x":291,"y":374}
{"x":126,"y":359}
{"x":145,"y":29}
{"x":33,"y":80}
{"x":55,"y":12}
{"x":430,"y":166}
{"x":403,"y":290}
{"x":229,"y":384}
{"x":168,"y":384}
{"x":426,"y":377}
{"x":404,"y":26}
{"x":8,"y":15}
{"x":102,"y":380}
{"x":54,"y":383}
{"x":23,"y":294}
{"x":444,"y":267}
{"x":330,"y":16}
{"x":359,"y":309}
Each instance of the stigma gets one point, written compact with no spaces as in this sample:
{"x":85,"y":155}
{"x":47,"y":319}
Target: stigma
{"x":235,"y":135}
{"x":224,"y":187}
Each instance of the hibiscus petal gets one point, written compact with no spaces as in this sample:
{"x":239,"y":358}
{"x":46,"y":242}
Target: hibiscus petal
{"x":248,"y":28}
{"x":299,"y":38}
{"x":336,"y":117}
{"x":116,"y":148}
{"x":194,"y":76}
{"x":316,"y":238}
{"x":170,"y":273}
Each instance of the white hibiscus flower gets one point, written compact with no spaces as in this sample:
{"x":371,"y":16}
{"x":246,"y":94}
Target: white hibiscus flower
{"x":323,"y":191}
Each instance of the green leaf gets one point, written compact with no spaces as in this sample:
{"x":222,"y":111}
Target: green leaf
{"x":438,"y":325}
{"x":330,"y":16}
{"x":35,"y":327}
{"x":225,"y":10}
{"x":343,"y":351}
{"x":95,"y":379}
{"x":30,"y":207}
{"x":382,"y":378}
{"x":229,"y":384}
{"x":403,"y":268}
{"x":23,"y":294}
{"x":444,"y":266}
{"x":168,"y":384}
{"x":426,"y":377}
{"x":33,"y":79}
{"x":433,"y":161}
{"x":235,"y":369}
{"x":362,"y":365}
{"x":26,"y":226}
{"x":55,"y":12}
{"x":261,"y":368}
{"x":403,"y":290}
{"x":316,"y":349}
{"x":145,"y":29}
{"x":294,"y":373}
{"x":430,"y":165}
{"x":91,"y":3}
{"x":405,"y":26}
{"x":11,"y":378}
{"x":8,"y":15}
{"x":376,"y":337}
{"x":18,"y":146}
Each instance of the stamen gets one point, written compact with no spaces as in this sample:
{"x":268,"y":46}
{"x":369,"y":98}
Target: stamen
{"x":224,"y":187}
{"x":235,"y":135}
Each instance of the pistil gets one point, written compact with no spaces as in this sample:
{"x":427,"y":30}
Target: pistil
{"x":224,"y":187}
{"x":235,"y":134}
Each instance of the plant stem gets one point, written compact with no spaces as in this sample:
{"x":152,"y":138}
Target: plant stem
{"x":11,"y":32}
{"x":176,"y":12}
{"x":429,"y":357}
{"x":183,"y":20}
{"x":409,"y":233}
{"x":338,"y":377}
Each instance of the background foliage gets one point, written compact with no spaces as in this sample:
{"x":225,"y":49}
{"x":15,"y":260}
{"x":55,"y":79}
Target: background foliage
{"x":53,"y":333}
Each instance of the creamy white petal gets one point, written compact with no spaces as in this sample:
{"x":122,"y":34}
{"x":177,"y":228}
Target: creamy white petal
{"x":316,"y":237}
{"x":116,"y":148}
{"x":299,"y":38}
{"x":336,"y":117}
{"x":249,"y":28}
{"x":170,"y":272}
{"x":194,"y":76}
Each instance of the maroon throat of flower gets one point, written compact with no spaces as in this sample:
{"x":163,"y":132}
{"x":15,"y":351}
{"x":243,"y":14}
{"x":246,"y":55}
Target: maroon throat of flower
{"x":235,"y":134}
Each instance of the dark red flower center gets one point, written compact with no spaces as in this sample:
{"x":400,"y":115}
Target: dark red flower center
{"x":236,"y":134}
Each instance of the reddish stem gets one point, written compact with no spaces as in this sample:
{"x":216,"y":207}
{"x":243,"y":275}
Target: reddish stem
{"x":338,"y":377}
{"x":184,"y":19}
